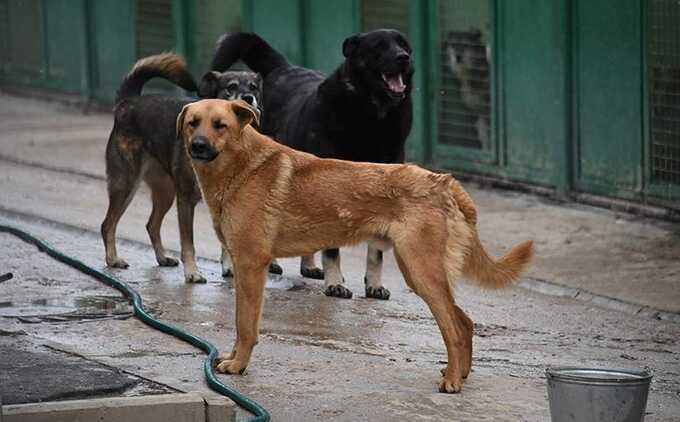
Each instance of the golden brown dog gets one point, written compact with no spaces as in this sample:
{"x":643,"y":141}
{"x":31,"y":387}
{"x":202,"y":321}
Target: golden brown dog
{"x":267,"y":200}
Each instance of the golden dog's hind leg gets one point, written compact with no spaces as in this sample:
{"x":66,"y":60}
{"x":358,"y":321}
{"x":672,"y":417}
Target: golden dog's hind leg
{"x":250,"y":274}
{"x":424,"y":272}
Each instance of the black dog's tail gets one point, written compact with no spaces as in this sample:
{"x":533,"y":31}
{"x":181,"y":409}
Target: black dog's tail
{"x":168,"y":66}
{"x":255,"y":52}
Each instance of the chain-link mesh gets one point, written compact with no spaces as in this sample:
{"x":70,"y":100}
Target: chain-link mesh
{"x":663,"y":52}
{"x":464,"y":97}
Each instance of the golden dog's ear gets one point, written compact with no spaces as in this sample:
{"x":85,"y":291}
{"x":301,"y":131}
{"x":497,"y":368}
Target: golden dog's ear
{"x":245,"y":113}
{"x":179,"y":126}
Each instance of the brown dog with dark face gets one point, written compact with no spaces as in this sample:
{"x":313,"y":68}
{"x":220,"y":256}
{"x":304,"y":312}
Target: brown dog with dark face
{"x":264,"y":197}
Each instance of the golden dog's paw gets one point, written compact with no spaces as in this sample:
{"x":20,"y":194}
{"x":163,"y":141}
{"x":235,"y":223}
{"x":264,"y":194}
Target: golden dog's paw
{"x":225,"y":356}
{"x":465,"y":373}
{"x":449,"y":387}
{"x":229,"y":366}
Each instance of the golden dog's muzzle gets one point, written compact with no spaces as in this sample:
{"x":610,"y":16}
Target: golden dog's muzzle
{"x":201,"y":149}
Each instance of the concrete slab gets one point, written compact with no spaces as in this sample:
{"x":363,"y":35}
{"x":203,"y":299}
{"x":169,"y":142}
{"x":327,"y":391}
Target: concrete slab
{"x":323,"y":358}
{"x":190,"y":407}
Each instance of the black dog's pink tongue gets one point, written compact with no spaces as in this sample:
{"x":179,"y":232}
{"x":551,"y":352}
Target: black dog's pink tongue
{"x":395,"y":83}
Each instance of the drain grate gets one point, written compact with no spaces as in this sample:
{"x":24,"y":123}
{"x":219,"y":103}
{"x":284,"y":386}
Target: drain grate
{"x":663,"y":52}
{"x":464,"y":97}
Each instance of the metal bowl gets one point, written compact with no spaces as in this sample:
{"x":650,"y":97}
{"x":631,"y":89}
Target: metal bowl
{"x":597,"y":395}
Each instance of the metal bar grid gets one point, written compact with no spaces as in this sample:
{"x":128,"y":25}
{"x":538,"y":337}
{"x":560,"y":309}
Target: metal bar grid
{"x":663,"y":52}
{"x":155,"y":28}
{"x":464,"y":97}
{"x":392,"y":14}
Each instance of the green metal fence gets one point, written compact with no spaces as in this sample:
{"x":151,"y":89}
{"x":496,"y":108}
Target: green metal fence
{"x":663,"y":81}
{"x":574,"y":95}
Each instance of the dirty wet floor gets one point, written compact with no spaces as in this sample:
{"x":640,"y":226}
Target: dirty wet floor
{"x":320,"y":357}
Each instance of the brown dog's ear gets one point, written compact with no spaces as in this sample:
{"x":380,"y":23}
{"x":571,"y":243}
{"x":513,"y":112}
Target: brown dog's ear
{"x":245,"y":113}
{"x":179,"y":126}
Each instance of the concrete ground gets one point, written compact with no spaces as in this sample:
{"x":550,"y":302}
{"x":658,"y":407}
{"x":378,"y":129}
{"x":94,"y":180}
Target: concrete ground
{"x":322,"y":357}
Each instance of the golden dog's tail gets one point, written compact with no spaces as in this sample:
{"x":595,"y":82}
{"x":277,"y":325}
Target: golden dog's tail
{"x":496,"y":273}
{"x":488,"y":272}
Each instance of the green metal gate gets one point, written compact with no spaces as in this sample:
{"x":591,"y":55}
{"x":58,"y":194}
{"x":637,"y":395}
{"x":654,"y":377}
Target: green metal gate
{"x":662,"y":43}
{"x":497,"y":99}
{"x":575,"y":95}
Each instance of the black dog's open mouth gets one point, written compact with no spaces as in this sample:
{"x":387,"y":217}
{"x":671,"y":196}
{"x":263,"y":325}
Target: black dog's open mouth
{"x":394,"y":82}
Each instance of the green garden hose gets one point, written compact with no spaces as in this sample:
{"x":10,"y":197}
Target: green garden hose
{"x":261,"y":415}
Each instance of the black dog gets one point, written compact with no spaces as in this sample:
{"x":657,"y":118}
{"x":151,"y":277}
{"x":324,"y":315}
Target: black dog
{"x":361,"y":112}
{"x":143,"y":145}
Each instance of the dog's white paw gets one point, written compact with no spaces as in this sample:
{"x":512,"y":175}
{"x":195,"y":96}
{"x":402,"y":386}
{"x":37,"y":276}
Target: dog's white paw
{"x":194,"y":278}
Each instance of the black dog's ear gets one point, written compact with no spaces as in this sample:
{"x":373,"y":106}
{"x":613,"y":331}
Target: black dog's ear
{"x":179,"y":125}
{"x":350,"y":44}
{"x":209,"y":85}
{"x":245,"y":113}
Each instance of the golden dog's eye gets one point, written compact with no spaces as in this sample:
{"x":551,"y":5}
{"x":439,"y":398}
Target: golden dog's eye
{"x":219,"y":125}
{"x":194,"y":123}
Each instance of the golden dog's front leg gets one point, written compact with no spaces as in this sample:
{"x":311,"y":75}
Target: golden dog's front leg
{"x":250,"y":274}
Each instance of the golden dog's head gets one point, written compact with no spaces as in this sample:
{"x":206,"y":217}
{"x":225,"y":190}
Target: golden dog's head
{"x":210,"y":127}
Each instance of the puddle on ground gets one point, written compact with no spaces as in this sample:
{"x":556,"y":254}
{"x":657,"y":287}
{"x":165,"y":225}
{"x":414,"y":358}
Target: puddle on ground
{"x":81,"y":307}
{"x":282,"y":282}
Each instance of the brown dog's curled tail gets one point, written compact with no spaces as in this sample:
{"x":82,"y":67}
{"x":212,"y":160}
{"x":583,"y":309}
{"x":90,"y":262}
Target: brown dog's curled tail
{"x":495,"y":274}
{"x":479,"y":266}
{"x":169,"y":66}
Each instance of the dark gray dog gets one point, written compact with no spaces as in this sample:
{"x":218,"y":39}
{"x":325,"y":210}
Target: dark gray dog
{"x":143,"y":146}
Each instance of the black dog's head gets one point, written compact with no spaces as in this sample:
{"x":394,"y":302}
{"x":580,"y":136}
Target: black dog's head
{"x":233,"y":85}
{"x":381,"y":62}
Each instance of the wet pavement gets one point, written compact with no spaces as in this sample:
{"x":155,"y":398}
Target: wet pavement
{"x":321,"y":357}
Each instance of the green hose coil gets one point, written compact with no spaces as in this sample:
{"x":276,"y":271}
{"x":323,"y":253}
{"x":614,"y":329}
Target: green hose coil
{"x":261,"y":415}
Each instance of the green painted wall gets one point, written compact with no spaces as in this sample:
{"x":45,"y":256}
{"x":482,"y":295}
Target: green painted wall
{"x":608,"y":87}
{"x":568,"y":77}
{"x":280,"y":23}
{"x":533,"y":101}
{"x":323,"y":43}
{"x":112,"y":44}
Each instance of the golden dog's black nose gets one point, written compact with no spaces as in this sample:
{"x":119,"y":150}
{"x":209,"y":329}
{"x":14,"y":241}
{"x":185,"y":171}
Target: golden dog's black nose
{"x":200,"y":149}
